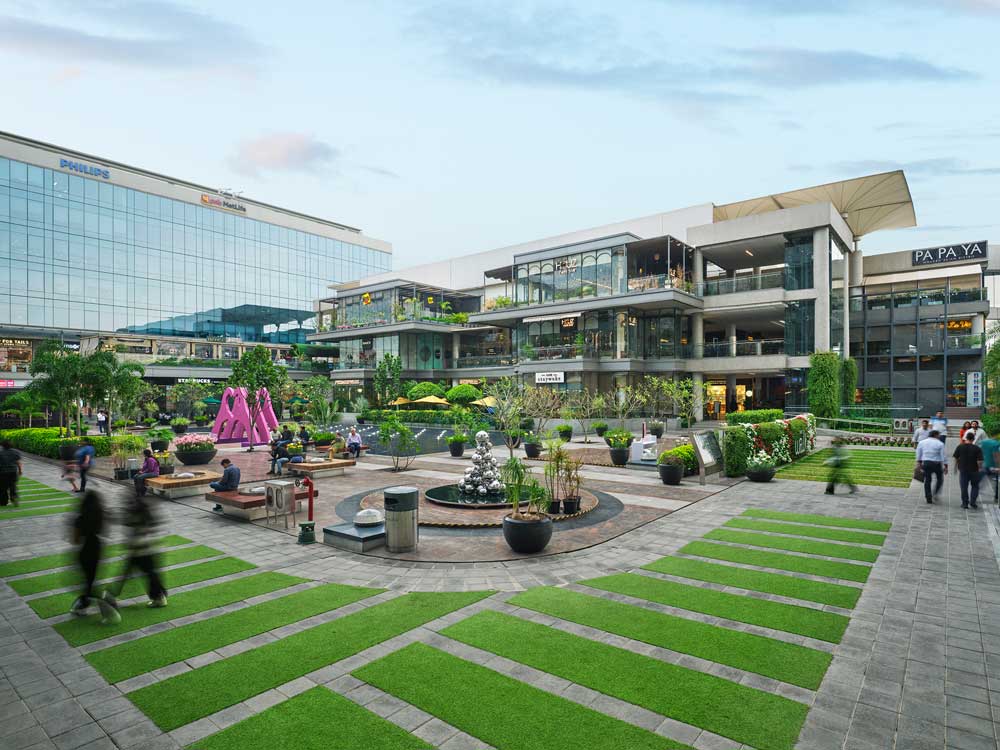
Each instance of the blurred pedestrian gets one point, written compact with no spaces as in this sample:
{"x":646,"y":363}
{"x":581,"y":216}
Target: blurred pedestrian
{"x":930,"y":461}
{"x":142,"y":554}
{"x":921,"y":432}
{"x":102,"y":422}
{"x":150,"y":468}
{"x":10,"y":472}
{"x":84,"y":459}
{"x":966,"y":426}
{"x":88,"y":527}
{"x":978,"y":432}
{"x":991,"y":463}
{"x":969,"y":465}
{"x":939,"y":422}
{"x":838,"y":462}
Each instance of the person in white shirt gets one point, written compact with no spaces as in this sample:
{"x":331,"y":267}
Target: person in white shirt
{"x":931,"y":458}
{"x":922,"y":432}
{"x":979,"y":432}
{"x":940,"y":423}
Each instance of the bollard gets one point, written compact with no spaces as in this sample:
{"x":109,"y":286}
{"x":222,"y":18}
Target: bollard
{"x":307,"y":529}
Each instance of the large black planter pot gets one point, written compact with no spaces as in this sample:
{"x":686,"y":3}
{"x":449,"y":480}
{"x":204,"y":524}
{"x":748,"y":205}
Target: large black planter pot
{"x":159,"y":445}
{"x":527,"y":536}
{"x":179,"y":429}
{"x":554,"y":506}
{"x":671,"y":473}
{"x":195,"y":458}
{"x":532,"y":450}
{"x":66,"y":452}
{"x":657,"y":432}
{"x":600,"y":431}
{"x":165,"y":421}
{"x":619,"y":456}
{"x":761,"y":475}
{"x":456,"y":449}
{"x":121,"y":474}
{"x":166,"y":469}
{"x":571,"y":505}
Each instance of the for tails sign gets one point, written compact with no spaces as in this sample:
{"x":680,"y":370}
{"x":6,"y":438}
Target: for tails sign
{"x":970,"y":251}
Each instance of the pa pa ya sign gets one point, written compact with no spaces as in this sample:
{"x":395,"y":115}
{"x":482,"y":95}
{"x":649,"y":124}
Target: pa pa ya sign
{"x":971,"y":251}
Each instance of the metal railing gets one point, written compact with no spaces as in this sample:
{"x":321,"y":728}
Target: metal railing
{"x":966,"y":341}
{"x":487,"y":360}
{"x":559,"y":351}
{"x":759,"y":348}
{"x":746,"y":283}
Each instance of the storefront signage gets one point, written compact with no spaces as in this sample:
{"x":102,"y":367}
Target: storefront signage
{"x":8,"y":384}
{"x":195,"y":380}
{"x":549,"y":377}
{"x":470,"y":381}
{"x":75,"y":166}
{"x":949,"y":253}
{"x":974,"y":389}
{"x":15,"y":342}
{"x":219,"y":201}
{"x":567,"y":323}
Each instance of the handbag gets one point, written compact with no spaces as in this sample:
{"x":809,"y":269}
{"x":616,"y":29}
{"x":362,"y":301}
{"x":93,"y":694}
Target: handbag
{"x":918,"y":473}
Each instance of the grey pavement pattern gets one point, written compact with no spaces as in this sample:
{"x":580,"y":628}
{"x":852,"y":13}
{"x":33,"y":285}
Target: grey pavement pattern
{"x":919,"y":666}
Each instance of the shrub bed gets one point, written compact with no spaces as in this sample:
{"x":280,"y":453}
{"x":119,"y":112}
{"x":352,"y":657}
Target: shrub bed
{"x":895,"y":441}
{"x":754,"y":416}
{"x":744,"y":444}
{"x":686,"y":454}
{"x":422,"y":416}
{"x":45,"y":441}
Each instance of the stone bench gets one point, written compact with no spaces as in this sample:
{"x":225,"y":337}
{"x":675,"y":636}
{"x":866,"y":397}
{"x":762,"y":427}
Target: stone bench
{"x":172,"y":487}
{"x":250,"y":507}
{"x":317,"y":469}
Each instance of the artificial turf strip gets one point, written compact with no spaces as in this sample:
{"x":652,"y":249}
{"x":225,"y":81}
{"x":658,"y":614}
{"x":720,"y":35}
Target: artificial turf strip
{"x":81,"y":630}
{"x":880,"y":468}
{"x":838,"y":535}
{"x":7,"y":514}
{"x":807,"y":546}
{"x":790,"y":618}
{"x":785,"y":662}
{"x":344,"y":725}
{"x":515,"y":716}
{"x":160,"y":649}
{"x":35,"y":564}
{"x":63,"y":578}
{"x":59,"y":604}
{"x":753,"y":717}
{"x":847,"y":523}
{"x":756,"y":580}
{"x":193,"y":695}
{"x":778,"y":561}
{"x":33,"y":504}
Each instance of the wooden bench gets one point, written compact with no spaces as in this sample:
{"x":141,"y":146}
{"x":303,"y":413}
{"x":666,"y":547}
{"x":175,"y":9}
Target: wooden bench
{"x":317,"y":469}
{"x":250,"y":507}
{"x":346,"y":454}
{"x":171,"y":487}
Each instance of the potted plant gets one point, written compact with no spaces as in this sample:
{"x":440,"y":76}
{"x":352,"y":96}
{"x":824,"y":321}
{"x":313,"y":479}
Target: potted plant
{"x":671,"y":467}
{"x":159,"y":440}
{"x":324,"y":440}
{"x":193,"y":450}
{"x":554,"y":464}
{"x":526,"y":532}
{"x":571,"y":481}
{"x":456,"y":444}
{"x":179,"y":425}
{"x":600,"y":428}
{"x":618,"y":444}
{"x":565,"y":432}
{"x":532,"y":444}
{"x":119,"y":459}
{"x":165,"y":460}
{"x":294,"y":448}
{"x":149,"y":421}
{"x":656,"y":428}
{"x":760,"y":468}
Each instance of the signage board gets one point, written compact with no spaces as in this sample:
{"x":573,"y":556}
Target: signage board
{"x":974,"y":388}
{"x":221,"y":201}
{"x":8,"y":384}
{"x":15,"y":342}
{"x":970,"y":251}
{"x":549,"y":377}
{"x":87,"y":169}
{"x":709,"y":453}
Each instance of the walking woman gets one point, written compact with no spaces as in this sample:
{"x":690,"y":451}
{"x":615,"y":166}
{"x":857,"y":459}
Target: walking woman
{"x":150,"y":468}
{"x":88,"y":526}
{"x":142,"y":554}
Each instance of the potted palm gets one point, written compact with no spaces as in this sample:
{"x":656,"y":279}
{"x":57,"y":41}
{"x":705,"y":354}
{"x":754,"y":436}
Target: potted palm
{"x":600,"y":428}
{"x":119,"y":460}
{"x":671,"y":467}
{"x":159,"y":440}
{"x":760,"y":468}
{"x":179,"y":425}
{"x":456,"y":444}
{"x":193,"y":450}
{"x":526,"y":532}
{"x":618,"y":444}
{"x":554,"y":465}
{"x":656,"y":428}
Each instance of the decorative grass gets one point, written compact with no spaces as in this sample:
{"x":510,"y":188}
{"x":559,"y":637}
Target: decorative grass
{"x":786,"y":662}
{"x":839,"y":535}
{"x":753,"y":717}
{"x":6,"y":514}
{"x":778,"y":561}
{"x":59,"y":604}
{"x":755,"y":580}
{"x":24,"y":504}
{"x":847,"y":523}
{"x":790,"y":618}
{"x":193,"y":695}
{"x":827,"y":549}
{"x":317,"y":719}
{"x":500,"y":710}
{"x":63,"y":578}
{"x":877,"y":468}
{"x":160,"y":649}
{"x":81,"y":630}
{"x":62,"y":559}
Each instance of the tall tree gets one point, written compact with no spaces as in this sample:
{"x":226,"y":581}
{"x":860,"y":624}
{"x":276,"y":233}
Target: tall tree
{"x":58,"y":372}
{"x":186,"y":392}
{"x":255,"y":371}
{"x":26,"y":403}
{"x":386,"y":383}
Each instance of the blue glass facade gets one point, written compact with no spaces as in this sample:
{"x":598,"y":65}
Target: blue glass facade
{"x":84,"y":253}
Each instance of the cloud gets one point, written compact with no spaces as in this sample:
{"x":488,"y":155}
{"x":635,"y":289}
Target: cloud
{"x":840,"y":7}
{"x":284,"y":152}
{"x":147,"y":33}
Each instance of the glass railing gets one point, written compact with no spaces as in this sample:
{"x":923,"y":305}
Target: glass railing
{"x":746,"y":283}
{"x":661,"y":281}
{"x":967,"y":341}
{"x":755,"y":348}
{"x":966,"y":295}
{"x":487,"y":360}
{"x":561,"y":351}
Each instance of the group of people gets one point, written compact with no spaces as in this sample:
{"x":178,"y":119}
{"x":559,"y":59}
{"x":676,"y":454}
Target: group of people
{"x":280,"y":441}
{"x":976,"y":456}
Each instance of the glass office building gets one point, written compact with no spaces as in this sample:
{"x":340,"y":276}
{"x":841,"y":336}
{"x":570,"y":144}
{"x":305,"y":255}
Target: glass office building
{"x":88,"y":245}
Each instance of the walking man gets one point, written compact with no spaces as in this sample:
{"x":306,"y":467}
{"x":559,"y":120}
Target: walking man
{"x":921,"y":432}
{"x":88,"y":527}
{"x":102,"y":422}
{"x":930,"y":458}
{"x":84,"y":457}
{"x":838,"y":468}
{"x":940,"y":423}
{"x":969,"y":464}
{"x":978,"y":432}
{"x":10,"y":471}
{"x":142,"y":554}
{"x":991,"y":463}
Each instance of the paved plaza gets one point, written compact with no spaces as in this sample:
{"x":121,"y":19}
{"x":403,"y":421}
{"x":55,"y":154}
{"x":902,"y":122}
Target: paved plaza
{"x":918,"y":665}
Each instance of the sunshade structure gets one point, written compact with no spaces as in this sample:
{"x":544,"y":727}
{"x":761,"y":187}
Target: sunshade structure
{"x":211,"y":401}
{"x":298,"y":400}
{"x":878,"y":201}
{"x":487,"y":401}
{"x":435,"y":400}
{"x":400,"y":401}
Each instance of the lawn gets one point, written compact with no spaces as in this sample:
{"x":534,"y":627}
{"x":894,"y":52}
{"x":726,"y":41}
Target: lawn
{"x":877,"y":467}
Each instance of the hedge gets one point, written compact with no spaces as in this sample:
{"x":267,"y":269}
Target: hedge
{"x":848,"y":381}
{"x":991,"y":424}
{"x":420,"y":390}
{"x":736,"y":450}
{"x":823,"y":384}
{"x":686,"y":453}
{"x":45,"y":441}
{"x":776,"y":439}
{"x":424,"y":416}
{"x":463,"y":394}
{"x":754,"y":416}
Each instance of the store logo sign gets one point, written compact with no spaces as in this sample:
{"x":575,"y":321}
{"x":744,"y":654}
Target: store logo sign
{"x":218,"y":201}
{"x":88,"y":169}
{"x":949,"y":253}
{"x":549,"y":377}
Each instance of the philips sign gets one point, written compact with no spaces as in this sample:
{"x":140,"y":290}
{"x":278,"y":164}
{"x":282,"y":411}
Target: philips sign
{"x":75,"y":166}
{"x":970,"y":251}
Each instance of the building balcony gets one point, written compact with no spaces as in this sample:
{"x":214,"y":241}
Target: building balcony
{"x":487,"y":360}
{"x":742,"y":283}
{"x":385,"y":327}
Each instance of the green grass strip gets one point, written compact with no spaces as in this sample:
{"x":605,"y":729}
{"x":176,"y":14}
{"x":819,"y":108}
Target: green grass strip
{"x":756,"y":580}
{"x":847,"y":523}
{"x":344,"y":725}
{"x":807,"y":546}
{"x":160,"y":649}
{"x":790,"y":618}
{"x":6,"y":515}
{"x":753,"y":717}
{"x":59,"y":604}
{"x":42,"y":494}
{"x":35,"y":504}
{"x":778,"y":561}
{"x":81,"y":630}
{"x":63,"y":578}
{"x":839,"y":535}
{"x":499,"y":710}
{"x":193,"y":695}
{"x":786,"y":662}
{"x":62,"y":559}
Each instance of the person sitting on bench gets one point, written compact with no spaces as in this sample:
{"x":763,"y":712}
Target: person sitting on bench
{"x":337,"y":448}
{"x":354,"y":443}
{"x":230,"y":481}
{"x":303,"y":435}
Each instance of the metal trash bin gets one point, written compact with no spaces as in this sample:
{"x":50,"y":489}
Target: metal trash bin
{"x":401,"y":518}
{"x":132,"y":465}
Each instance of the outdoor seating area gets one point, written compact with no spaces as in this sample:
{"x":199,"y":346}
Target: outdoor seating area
{"x":172,"y":487}
{"x":318,"y":469}
{"x":250,"y":506}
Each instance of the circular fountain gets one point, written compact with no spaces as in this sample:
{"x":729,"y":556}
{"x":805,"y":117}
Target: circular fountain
{"x":481,"y":487}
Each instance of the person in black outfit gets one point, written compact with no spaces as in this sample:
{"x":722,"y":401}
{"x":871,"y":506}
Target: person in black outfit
{"x":969,"y":463}
{"x":87,"y":530}
{"x":142,"y":554}
{"x":10,"y":470}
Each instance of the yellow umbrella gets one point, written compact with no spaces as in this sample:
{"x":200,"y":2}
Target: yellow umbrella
{"x":487,"y":401}
{"x":436,"y":400}
{"x":399,"y":401}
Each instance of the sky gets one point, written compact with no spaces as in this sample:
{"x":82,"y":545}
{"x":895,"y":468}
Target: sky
{"x":447,"y":128}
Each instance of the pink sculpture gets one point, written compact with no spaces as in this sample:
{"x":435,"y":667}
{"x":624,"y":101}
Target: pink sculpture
{"x":232,"y":423}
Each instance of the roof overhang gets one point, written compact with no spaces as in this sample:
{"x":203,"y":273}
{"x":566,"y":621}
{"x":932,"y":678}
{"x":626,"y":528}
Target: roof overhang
{"x":867,"y":204}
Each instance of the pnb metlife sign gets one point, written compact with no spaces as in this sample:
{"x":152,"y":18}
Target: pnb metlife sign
{"x":87,"y":169}
{"x":970,"y":251}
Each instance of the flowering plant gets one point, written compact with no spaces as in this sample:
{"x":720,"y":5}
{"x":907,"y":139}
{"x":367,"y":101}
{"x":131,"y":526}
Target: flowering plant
{"x":194,"y":442}
{"x":294,"y":448}
{"x":162,"y":457}
{"x":759,"y":460}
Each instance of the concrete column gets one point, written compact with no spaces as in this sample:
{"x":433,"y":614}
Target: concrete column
{"x":730,"y":391}
{"x":731,"y":337}
{"x":857,"y":266}
{"x":821,"y":283}
{"x":845,"y":347}
{"x":699,"y":396}
{"x":698,"y":272}
{"x":697,"y":335}
{"x":756,"y":278}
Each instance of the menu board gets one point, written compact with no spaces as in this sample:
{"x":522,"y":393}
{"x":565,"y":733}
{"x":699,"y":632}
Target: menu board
{"x":709,"y":453}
